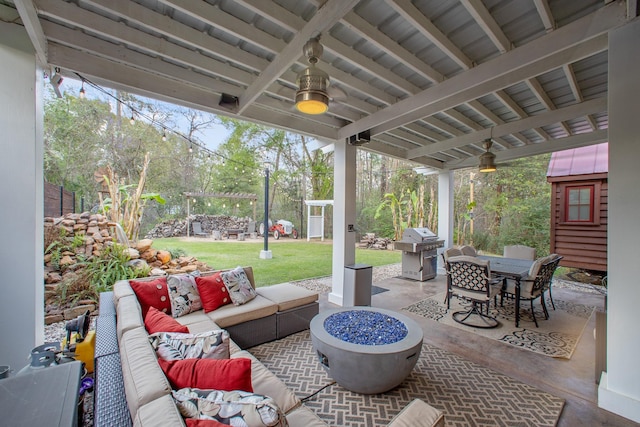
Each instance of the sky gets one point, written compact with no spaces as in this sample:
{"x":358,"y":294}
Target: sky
{"x":211,"y":138}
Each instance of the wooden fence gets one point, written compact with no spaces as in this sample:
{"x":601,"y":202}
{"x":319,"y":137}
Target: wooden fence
{"x":58,"y":201}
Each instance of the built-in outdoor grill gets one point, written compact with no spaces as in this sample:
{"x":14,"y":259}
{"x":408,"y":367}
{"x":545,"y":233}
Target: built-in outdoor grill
{"x":419,"y":248}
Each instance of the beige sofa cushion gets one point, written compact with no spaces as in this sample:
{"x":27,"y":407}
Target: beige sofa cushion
{"x":193,"y":318}
{"x":121,"y":289}
{"x":418,"y":414}
{"x":143,"y":378}
{"x":288,"y":295}
{"x":129,"y":315}
{"x":303,"y":416}
{"x":158,"y":413}
{"x":266,"y":383}
{"x":229,"y":315}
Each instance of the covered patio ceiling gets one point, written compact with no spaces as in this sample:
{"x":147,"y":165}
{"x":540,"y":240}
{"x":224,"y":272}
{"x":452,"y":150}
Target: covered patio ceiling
{"x":429,"y":80}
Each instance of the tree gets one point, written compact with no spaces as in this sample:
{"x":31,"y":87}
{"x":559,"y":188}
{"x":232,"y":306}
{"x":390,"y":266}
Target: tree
{"x":74,"y":138}
{"x":512,"y":205}
{"x":125,"y":207}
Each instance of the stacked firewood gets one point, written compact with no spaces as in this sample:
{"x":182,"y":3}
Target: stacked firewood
{"x":370,"y":241}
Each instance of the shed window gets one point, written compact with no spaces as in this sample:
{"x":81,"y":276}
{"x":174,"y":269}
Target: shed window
{"x":579,"y":204}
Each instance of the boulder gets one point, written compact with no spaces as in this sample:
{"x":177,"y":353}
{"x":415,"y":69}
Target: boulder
{"x":72,"y":313}
{"x":163,"y":256}
{"x":149,"y":255}
{"x":68,"y":223}
{"x":138,"y":264}
{"x":53,"y":318}
{"x":144,"y":245}
{"x":66,"y":260}
{"x":133,"y":253}
{"x":93,"y":230}
{"x":52,"y":277}
{"x":157,"y":272}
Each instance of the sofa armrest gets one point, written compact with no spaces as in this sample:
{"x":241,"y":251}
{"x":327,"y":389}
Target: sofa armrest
{"x":418,"y":414}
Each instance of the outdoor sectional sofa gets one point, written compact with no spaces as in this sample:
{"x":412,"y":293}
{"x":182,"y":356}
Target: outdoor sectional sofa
{"x":132,"y":389}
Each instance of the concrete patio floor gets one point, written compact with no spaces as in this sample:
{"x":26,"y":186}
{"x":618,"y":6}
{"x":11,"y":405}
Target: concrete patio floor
{"x":573,"y":380}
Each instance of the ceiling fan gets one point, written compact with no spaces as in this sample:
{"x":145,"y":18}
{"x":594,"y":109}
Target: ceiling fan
{"x":314,"y":89}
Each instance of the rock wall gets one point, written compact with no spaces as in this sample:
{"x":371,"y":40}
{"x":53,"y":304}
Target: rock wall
{"x":208,"y":223}
{"x":86,"y":236}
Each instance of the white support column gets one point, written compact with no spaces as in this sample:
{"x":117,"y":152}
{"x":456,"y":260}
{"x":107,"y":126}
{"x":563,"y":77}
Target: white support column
{"x":445,"y":213}
{"x":322,"y":225}
{"x":344,"y":215}
{"x":189,"y":214}
{"x":308,"y":222}
{"x":619,"y":390}
{"x":21,"y":216}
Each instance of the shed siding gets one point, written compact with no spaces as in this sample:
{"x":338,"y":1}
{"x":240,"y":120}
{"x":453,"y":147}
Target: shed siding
{"x":582,"y":246}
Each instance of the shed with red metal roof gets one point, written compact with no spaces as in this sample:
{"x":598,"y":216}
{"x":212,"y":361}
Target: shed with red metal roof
{"x":579,"y":210}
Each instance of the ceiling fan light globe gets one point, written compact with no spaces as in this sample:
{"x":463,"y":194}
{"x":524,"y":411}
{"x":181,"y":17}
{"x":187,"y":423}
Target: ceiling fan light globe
{"x":312,"y":106}
{"x":312,"y":96}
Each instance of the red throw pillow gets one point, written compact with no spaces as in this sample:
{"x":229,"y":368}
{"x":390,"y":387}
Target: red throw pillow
{"x":194,"y":422}
{"x":213,"y":292}
{"x":157,"y":321}
{"x":152,"y":293}
{"x":225,"y":375}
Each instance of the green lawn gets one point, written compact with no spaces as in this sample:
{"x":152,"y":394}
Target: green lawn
{"x":292,"y":260}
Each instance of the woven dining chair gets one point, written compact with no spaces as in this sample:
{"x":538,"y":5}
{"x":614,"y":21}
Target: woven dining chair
{"x":469,"y":250}
{"x":470,"y":278}
{"x":537,"y":282}
{"x":519,"y":252}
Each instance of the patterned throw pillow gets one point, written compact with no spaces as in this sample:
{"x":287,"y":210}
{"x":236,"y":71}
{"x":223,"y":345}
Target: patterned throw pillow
{"x":178,"y":346}
{"x":237,"y":408}
{"x":183,"y":294}
{"x":238,"y":285}
{"x":213,"y":292}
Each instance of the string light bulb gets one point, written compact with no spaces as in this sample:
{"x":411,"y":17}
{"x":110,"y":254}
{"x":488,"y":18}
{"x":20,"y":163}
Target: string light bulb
{"x":191,"y":148}
{"x":164,"y":136}
{"x":133,"y":119}
{"x":82,"y":92}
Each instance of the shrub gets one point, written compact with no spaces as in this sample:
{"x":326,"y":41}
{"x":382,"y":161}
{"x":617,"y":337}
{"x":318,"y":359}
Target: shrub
{"x":99,"y":274}
{"x":177,"y":252}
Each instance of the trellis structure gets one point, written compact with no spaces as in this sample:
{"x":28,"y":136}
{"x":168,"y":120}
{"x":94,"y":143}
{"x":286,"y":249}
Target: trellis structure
{"x":315,"y":223}
{"x":249,"y":196}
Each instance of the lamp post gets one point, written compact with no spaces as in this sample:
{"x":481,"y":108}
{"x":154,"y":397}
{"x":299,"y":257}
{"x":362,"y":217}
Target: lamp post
{"x":266,"y":253}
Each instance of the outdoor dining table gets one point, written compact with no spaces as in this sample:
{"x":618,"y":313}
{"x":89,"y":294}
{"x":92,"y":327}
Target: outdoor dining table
{"x":512,"y":268}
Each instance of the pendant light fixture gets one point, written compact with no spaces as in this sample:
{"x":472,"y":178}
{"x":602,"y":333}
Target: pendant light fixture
{"x":312,"y":96}
{"x":488,"y":159}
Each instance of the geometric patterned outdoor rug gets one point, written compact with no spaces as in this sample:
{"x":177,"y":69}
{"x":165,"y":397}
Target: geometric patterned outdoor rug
{"x":467,"y":393}
{"x":556,"y":337}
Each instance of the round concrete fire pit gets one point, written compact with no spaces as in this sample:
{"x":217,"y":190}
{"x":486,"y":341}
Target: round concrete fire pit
{"x":365,"y":349}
